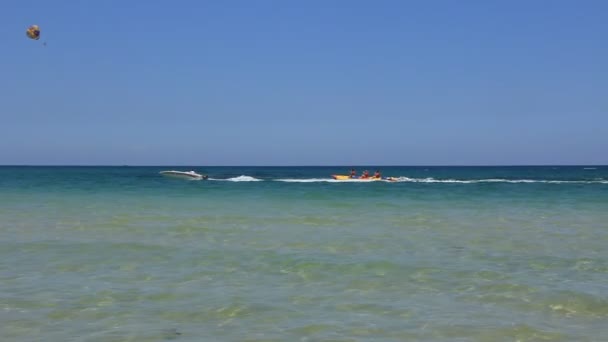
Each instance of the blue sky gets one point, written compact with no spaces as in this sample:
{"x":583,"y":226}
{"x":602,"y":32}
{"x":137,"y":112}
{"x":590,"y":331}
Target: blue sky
{"x":304,"y":82}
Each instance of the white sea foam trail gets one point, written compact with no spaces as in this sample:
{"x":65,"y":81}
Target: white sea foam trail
{"x":434,"y":180}
{"x":499,"y":180}
{"x":241,"y":178}
{"x":305,"y":180}
{"x":403,"y":179}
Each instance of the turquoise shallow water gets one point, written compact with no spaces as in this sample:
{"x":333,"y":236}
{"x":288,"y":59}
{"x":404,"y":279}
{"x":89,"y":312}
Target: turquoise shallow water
{"x":285,"y":254}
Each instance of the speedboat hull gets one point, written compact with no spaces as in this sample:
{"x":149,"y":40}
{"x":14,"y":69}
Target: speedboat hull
{"x":183,"y":175}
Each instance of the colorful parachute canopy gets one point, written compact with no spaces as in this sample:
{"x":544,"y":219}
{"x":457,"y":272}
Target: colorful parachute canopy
{"x":33,"y":32}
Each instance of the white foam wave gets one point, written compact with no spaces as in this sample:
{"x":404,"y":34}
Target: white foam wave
{"x":433,"y":180}
{"x":498,"y":180}
{"x":241,"y":178}
{"x":307,"y":180}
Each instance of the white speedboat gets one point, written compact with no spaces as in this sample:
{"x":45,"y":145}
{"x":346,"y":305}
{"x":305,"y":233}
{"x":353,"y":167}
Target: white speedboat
{"x":183,"y":174}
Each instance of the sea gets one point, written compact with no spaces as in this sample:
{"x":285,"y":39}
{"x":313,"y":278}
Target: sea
{"x":289,"y":254}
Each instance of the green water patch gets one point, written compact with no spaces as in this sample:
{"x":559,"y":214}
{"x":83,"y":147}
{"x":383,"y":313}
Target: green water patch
{"x":21,"y":329}
{"x":507,"y":294}
{"x":86,"y":314}
{"x":320,"y":269}
{"x":15,"y":304}
{"x":215,"y":314}
{"x":590,"y":265}
{"x":527,"y":298}
{"x":515,"y":332}
{"x":138,"y":334}
{"x":312,"y":329}
{"x":374,"y":310}
{"x":571,"y":303}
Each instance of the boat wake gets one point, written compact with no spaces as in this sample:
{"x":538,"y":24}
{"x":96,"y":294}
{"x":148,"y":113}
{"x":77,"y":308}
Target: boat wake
{"x":241,"y":178}
{"x":455,"y":181}
{"x":403,"y":179}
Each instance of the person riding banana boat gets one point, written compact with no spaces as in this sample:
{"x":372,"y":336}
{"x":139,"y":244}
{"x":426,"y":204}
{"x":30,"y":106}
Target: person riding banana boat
{"x":364,"y":176}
